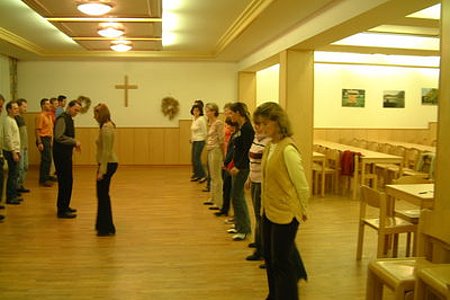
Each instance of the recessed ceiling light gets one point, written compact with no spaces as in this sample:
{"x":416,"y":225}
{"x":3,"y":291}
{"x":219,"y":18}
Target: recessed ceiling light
{"x":121,"y":45}
{"x":110,"y":30}
{"x":94,"y":7}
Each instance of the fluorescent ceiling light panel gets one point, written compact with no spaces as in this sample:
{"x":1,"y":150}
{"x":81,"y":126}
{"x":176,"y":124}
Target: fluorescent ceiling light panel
{"x":433,"y":12}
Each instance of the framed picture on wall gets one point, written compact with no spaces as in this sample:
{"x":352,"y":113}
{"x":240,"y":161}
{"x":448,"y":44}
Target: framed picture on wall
{"x":394,"y":99}
{"x":353,"y":98}
{"x":429,"y":96}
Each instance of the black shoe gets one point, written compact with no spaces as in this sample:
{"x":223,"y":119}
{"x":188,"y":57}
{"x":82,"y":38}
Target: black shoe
{"x":254,"y":257}
{"x":105,"y":233}
{"x":71,"y":210}
{"x":66,"y":215}
{"x":13,"y":202}
{"x":46,"y":184}
{"x":195,"y":179}
{"x":262,"y":266}
{"x":220,"y":213}
{"x":52,"y":178}
{"x":22,"y":189}
{"x":2,"y":206}
{"x":205,"y":190}
{"x":252,"y":245}
{"x":208,"y":203}
{"x":2,"y":217}
{"x":213,"y":208}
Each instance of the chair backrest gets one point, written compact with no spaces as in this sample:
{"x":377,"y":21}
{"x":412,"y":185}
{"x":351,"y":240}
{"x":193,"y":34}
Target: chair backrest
{"x":425,"y":163}
{"x":411,"y":158}
{"x":373,"y":198}
{"x":410,"y":180}
{"x":434,"y":236}
{"x":373,"y":146}
{"x":332,"y":158}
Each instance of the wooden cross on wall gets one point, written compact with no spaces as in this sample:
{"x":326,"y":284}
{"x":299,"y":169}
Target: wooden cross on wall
{"x":126,"y":87}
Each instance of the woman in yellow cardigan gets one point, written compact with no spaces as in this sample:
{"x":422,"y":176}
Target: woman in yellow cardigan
{"x":285,"y":194}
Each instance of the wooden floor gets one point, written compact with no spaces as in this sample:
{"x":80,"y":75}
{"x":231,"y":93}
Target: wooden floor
{"x":168,"y":245}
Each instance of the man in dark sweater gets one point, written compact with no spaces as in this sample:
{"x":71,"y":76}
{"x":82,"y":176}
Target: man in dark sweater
{"x":63,"y":144}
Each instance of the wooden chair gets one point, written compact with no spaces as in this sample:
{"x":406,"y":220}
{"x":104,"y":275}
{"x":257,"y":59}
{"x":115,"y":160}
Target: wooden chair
{"x":390,"y":171}
{"x":387,"y":225}
{"x":400,"y":274}
{"x":412,"y":157}
{"x":433,"y":283}
{"x":330,"y":168}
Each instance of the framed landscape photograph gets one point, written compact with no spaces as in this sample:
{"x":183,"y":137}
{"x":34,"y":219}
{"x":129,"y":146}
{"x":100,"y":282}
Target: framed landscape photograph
{"x":353,"y":98}
{"x":429,"y":96}
{"x":393,"y":99}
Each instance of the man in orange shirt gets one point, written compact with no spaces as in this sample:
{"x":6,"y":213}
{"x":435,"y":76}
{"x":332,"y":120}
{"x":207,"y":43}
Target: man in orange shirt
{"x":44,"y":136}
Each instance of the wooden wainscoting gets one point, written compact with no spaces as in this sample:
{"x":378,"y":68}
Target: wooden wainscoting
{"x":419,"y":136}
{"x":134,"y":146}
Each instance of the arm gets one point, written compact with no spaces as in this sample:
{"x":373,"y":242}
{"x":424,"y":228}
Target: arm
{"x":294,"y":165}
{"x":38,"y":126}
{"x":246,"y":139}
{"x":107,"y":140}
{"x":60,"y":128}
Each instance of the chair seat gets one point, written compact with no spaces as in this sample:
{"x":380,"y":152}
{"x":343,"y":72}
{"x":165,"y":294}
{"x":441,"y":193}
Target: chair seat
{"x":396,"y":271}
{"x":410,"y":215}
{"x":391,"y":224}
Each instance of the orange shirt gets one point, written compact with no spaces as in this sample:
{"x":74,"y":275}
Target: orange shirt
{"x":44,"y":124}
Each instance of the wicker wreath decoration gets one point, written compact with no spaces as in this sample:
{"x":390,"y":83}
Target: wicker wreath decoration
{"x":170,"y":107}
{"x":85,"y":104}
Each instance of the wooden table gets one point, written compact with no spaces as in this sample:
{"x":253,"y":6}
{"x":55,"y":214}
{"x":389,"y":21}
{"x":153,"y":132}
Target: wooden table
{"x":435,"y":279}
{"x":320,"y":159}
{"x":421,"y":194}
{"x":367,"y":158}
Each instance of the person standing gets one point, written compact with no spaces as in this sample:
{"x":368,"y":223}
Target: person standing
{"x":11,"y":151}
{"x":199,"y":132}
{"x":44,"y":135}
{"x":23,"y":162}
{"x":242,"y":142}
{"x":61,"y":105}
{"x":2,"y":160}
{"x":63,"y":144}
{"x":215,"y":146}
{"x":285,"y":194}
{"x":107,"y":166}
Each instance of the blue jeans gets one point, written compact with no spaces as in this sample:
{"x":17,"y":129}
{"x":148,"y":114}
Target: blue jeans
{"x":241,"y":217}
{"x":11,"y":190}
{"x":46,"y":159}
{"x":196,"y":157}
{"x":256,"y":200}
{"x":22,"y":168}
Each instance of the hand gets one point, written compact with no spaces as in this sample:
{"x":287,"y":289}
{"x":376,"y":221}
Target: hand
{"x":16,"y":156}
{"x":78,"y":146}
{"x":234,"y":171}
{"x":247,"y":184}
{"x":99,"y":176}
{"x":40,"y":147}
{"x":304,"y":218}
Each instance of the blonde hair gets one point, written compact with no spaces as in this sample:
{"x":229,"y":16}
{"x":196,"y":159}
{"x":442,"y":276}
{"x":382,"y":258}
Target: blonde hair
{"x":274,"y":112}
{"x":102,"y":114}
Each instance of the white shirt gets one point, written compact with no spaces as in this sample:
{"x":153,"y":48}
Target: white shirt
{"x":11,"y":135}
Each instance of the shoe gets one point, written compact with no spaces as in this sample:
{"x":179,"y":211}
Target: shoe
{"x":229,"y":221}
{"x":71,"y":210}
{"x":206,"y":190}
{"x":255,"y":256}
{"x":52,"y":178}
{"x":213,"y":208}
{"x":2,"y":217}
{"x":220,"y":213}
{"x":208,"y":203}
{"x":19,"y":199}
{"x":201,"y":180}
{"x":262,"y":266}
{"x":13,"y":201}
{"x":46,"y":184}
{"x":239,"y":237}
{"x":22,"y":189}
{"x":66,"y":215}
{"x":232,"y":230}
{"x":2,"y":206}
{"x":195,"y":179}
{"x":105,"y":233}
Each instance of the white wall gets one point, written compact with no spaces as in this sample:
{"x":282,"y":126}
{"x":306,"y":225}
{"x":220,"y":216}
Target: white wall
{"x":268,"y":85}
{"x":4,"y":77}
{"x":330,"y":79}
{"x":185,"y":81}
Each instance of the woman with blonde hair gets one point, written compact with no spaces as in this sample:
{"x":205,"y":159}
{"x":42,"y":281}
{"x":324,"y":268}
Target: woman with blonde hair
{"x":107,"y":166}
{"x":285,"y":194}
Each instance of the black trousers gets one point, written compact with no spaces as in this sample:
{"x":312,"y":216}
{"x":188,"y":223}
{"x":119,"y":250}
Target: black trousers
{"x":104,"y":223}
{"x":284,"y":265}
{"x":63,"y":166}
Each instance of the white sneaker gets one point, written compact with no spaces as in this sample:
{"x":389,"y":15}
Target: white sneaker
{"x":239,"y":237}
{"x":232,"y":230}
{"x":229,"y":221}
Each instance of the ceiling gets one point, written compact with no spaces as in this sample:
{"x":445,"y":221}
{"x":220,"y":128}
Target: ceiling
{"x":225,"y":30}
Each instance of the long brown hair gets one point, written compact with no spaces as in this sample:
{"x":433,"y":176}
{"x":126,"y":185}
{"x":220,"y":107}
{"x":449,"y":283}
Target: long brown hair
{"x":102,"y":114}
